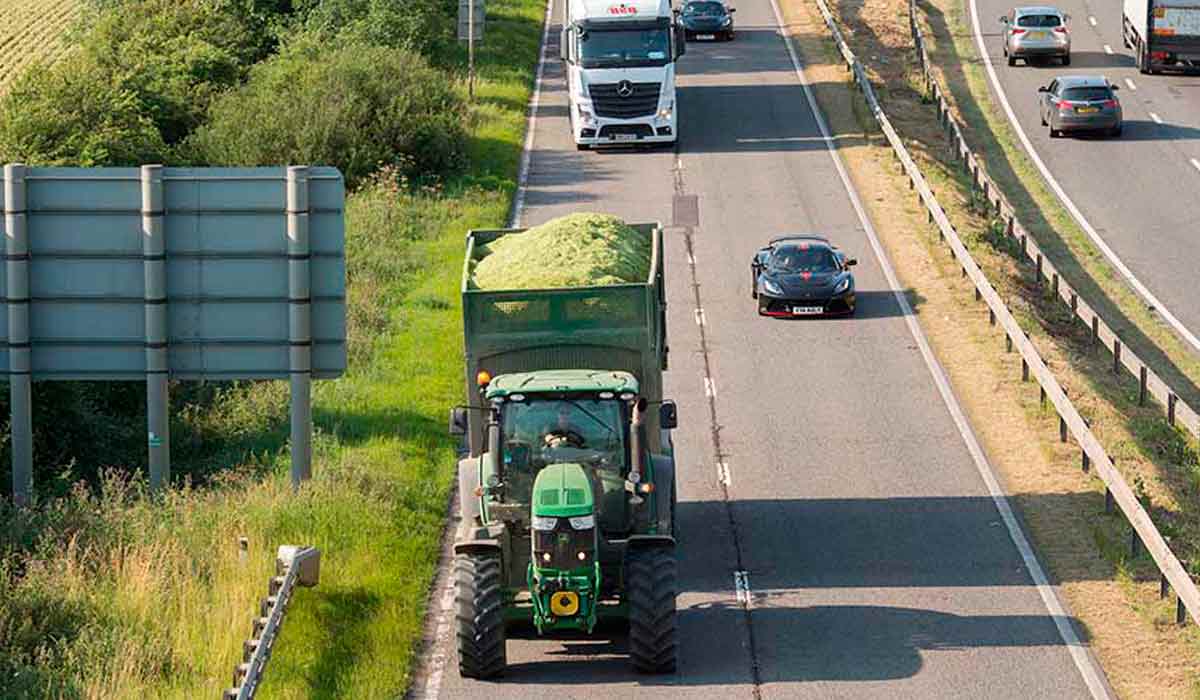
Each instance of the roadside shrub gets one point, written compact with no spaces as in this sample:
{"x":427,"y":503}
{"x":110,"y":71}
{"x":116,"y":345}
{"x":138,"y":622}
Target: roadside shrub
{"x":421,"y":26}
{"x":357,"y":108}
{"x":65,"y":115}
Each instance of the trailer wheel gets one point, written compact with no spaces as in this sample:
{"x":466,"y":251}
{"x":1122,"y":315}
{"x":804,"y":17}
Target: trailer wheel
{"x":650,"y":588}
{"x":480,"y":611}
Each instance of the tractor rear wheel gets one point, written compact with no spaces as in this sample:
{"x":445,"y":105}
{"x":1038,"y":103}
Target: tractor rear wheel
{"x":479,"y":599}
{"x":650,"y":588}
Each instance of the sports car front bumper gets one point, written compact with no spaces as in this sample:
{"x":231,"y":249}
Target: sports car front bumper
{"x":786,"y":307}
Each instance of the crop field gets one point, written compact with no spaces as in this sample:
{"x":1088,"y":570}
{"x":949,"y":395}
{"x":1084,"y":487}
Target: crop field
{"x":31,"y":30}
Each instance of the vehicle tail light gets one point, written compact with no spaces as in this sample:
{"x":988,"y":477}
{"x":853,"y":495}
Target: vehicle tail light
{"x":1017,"y":32}
{"x":1111,"y":104}
{"x":1065,"y":106}
{"x":1060,"y":30}
{"x":1159,"y":55}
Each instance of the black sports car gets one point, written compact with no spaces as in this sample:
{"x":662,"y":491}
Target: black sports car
{"x":802,"y":276}
{"x":707,"y":19}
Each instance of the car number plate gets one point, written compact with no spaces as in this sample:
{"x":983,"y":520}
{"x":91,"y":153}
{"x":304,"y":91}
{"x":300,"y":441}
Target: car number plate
{"x":1087,"y":110}
{"x":624,"y":137}
{"x":807,"y":310}
{"x":706,"y":36}
{"x":1037,"y":35}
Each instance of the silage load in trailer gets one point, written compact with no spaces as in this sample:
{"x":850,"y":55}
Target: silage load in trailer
{"x":577,"y":250}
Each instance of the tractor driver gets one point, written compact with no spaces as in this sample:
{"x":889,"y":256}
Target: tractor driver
{"x":563,"y":432}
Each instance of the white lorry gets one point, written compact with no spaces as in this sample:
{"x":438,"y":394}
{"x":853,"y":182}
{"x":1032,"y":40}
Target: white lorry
{"x":620,"y":58}
{"x":1163,"y":33}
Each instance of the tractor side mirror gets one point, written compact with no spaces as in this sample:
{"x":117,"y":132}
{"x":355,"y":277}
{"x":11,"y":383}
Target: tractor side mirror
{"x":564,"y":44}
{"x":668,"y":418}
{"x":458,"y":421}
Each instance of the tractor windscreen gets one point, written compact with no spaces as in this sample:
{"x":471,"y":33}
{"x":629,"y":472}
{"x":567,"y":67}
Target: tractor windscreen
{"x":591,"y":432}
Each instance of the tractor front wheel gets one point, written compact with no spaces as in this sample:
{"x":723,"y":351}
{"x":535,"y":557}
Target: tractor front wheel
{"x":479,"y":602}
{"x":650,"y":589}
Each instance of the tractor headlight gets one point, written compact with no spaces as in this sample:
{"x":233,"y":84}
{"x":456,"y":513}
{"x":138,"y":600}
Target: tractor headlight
{"x":544,"y":524}
{"x":584,"y":522}
{"x":842,"y":286}
{"x":771,"y":288}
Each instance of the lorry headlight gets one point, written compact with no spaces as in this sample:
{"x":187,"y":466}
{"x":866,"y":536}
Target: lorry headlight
{"x":544,"y":524}
{"x":586,"y":117}
{"x":664,"y":112}
{"x":584,"y":522}
{"x":771,"y":288}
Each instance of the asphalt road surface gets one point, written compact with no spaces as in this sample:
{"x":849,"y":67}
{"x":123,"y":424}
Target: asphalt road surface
{"x":877,"y":563}
{"x":1139,"y":192}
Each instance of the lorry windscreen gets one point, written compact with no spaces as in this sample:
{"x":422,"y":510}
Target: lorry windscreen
{"x":618,"y":48}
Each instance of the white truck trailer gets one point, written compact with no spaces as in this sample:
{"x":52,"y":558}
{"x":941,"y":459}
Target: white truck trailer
{"x":620,"y":57}
{"x":1163,"y":33}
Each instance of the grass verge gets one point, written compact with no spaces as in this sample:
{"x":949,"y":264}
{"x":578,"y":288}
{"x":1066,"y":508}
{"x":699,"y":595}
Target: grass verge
{"x":1113,"y":595}
{"x":109,"y":593}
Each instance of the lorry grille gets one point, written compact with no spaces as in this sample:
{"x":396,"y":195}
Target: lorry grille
{"x":642,"y":102}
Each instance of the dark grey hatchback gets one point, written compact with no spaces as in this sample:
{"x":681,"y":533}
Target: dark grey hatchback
{"x":1080,"y":103}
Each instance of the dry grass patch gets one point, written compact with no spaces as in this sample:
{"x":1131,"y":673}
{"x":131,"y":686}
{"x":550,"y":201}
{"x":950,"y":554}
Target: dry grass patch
{"x":32,"y":30}
{"x":1112,"y":594}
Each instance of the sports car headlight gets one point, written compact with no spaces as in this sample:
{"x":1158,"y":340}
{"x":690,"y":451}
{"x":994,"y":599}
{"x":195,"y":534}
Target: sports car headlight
{"x":771,"y":288}
{"x":842,"y":286}
{"x":544,"y":524}
{"x":583,"y":522}
{"x":727,"y":21}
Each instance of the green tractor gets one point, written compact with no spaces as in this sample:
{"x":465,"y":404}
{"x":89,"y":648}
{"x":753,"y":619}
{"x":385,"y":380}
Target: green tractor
{"x":567,"y":484}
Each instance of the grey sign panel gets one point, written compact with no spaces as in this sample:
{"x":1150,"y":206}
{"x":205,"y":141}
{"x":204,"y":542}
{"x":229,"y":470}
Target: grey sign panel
{"x":226,"y":269}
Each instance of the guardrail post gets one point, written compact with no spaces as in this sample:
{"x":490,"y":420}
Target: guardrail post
{"x":1062,"y":429}
{"x":1007,"y":343}
{"x":1116,"y":367}
{"x":1024,"y":246}
{"x":1038,"y":279}
{"x":1164,"y":587}
{"x":978,"y":294}
{"x":1134,"y":543}
{"x":1171,"y":399}
{"x":16,"y":248}
{"x":1142,"y":387}
{"x":1074,"y":303}
{"x":1108,"y":500}
{"x":1180,"y":612}
{"x":1054,"y":284}
{"x":1042,"y":396}
{"x":1024,"y":370}
{"x":1095,"y":331}
{"x":992,"y":316}
{"x":1087,"y":462}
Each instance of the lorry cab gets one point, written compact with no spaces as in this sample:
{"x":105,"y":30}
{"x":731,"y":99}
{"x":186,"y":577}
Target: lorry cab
{"x":620,"y":57}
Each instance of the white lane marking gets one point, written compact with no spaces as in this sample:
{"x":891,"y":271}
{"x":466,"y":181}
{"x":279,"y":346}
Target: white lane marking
{"x":535,"y":101}
{"x":1108,"y":49}
{"x":691,"y":260}
{"x":1091,"y":20}
{"x":710,"y":387}
{"x":1157,"y":119}
{"x":741,"y":584}
{"x":700,"y":320}
{"x":1130,"y":84}
{"x":1092,"y":677}
{"x":723,"y":476}
{"x":1195,"y":164}
{"x":438,"y":660}
{"x":1116,"y":262}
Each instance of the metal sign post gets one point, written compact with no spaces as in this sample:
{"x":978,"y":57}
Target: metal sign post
{"x":153,"y":273}
{"x":471,"y":14}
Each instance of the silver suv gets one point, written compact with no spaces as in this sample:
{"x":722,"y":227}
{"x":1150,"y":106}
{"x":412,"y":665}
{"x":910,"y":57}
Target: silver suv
{"x":1036,"y":32}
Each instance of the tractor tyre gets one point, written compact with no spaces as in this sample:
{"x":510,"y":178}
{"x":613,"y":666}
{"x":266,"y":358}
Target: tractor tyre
{"x":479,"y":599}
{"x":650,"y":589}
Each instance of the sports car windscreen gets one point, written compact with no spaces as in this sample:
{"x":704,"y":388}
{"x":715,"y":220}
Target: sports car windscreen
{"x":702,"y":9}
{"x":615,"y":48}
{"x":797,"y":259}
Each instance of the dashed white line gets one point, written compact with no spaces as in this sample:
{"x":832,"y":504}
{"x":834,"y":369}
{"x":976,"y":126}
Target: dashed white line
{"x":1108,"y":49}
{"x":1157,"y":119}
{"x":710,"y":388}
{"x":691,"y":260}
{"x":1130,"y":84}
{"x":700,"y":320}
{"x":741,"y":584}
{"x":1091,"y":20}
{"x":1196,"y":164}
{"x":723,"y":476}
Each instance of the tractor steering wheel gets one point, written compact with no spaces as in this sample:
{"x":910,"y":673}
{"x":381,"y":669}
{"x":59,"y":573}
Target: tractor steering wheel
{"x":563,"y":438}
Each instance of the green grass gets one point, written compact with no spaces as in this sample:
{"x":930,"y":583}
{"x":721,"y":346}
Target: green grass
{"x":109,"y":593}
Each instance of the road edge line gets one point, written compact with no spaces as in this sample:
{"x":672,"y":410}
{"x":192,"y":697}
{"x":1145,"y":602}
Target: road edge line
{"x":535,"y":101}
{"x":1064,"y":199}
{"x":1092,"y":675}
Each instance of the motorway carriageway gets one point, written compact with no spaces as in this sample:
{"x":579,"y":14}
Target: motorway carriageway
{"x":820,"y":457}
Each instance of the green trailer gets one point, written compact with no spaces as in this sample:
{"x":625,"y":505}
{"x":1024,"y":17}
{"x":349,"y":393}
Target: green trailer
{"x":567,"y":481}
